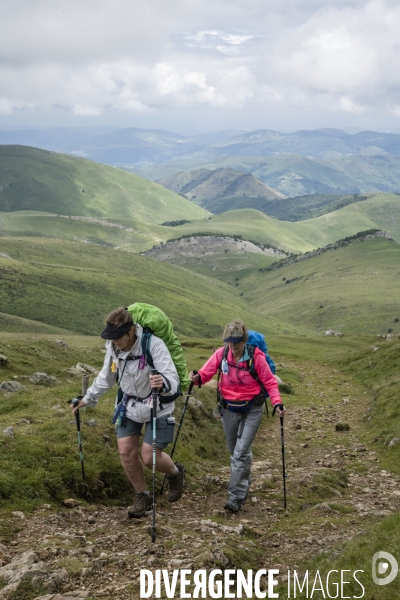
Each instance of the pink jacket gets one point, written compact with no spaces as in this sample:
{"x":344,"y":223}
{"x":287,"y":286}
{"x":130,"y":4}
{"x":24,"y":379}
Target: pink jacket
{"x":240,"y":385}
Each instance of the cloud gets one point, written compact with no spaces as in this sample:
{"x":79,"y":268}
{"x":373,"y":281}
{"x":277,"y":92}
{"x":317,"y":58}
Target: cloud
{"x":97,"y":58}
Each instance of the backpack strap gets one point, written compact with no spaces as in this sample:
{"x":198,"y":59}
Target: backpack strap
{"x":223,"y":357}
{"x":252,"y":369}
{"x":146,"y":337}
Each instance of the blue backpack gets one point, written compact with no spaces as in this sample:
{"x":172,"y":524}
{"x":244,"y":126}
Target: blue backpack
{"x":257,"y":339}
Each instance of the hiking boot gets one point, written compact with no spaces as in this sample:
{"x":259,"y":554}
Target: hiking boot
{"x":233,"y":506}
{"x":175,"y":483}
{"x":143,"y":504}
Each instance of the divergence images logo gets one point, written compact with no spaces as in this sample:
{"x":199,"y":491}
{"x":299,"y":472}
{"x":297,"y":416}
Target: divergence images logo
{"x":380,"y":566}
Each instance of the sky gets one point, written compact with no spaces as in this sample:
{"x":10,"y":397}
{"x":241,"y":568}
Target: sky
{"x":200,"y":65}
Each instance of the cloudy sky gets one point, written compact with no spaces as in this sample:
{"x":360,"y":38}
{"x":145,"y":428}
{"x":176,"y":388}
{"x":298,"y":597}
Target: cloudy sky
{"x":200,"y":64}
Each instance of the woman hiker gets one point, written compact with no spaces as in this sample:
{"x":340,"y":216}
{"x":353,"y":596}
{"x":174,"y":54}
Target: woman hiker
{"x":241,"y":403}
{"x":124,"y":362}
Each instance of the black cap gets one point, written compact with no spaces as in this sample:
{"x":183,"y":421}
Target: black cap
{"x":114,"y":332}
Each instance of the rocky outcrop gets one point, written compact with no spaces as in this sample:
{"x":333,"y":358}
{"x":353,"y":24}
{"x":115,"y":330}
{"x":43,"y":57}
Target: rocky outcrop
{"x":43,"y":379}
{"x":196,"y":248}
{"x":9,"y":432}
{"x":82,"y":369}
{"x":11,"y":386}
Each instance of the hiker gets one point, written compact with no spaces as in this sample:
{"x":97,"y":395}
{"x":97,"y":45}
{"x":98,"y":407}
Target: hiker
{"x":125,"y":362}
{"x":240,"y":403}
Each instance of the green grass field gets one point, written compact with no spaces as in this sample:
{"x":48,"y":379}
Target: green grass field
{"x":132,"y":235}
{"x":73,"y":286}
{"x":33,"y":179}
{"x":379,"y":211}
{"x":354,"y":289}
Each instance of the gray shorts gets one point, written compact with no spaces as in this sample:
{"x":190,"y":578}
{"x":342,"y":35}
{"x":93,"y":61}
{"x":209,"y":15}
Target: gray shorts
{"x":164,"y":430}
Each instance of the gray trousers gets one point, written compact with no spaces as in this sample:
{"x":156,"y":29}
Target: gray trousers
{"x":240,"y":430}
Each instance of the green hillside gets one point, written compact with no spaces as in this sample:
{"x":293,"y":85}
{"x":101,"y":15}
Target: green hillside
{"x":127,"y":234}
{"x":14,"y":324}
{"x":32,"y":179}
{"x":300,"y":208}
{"x":222,"y":189}
{"x":378,"y":211}
{"x":355,"y":289}
{"x":73,"y":286}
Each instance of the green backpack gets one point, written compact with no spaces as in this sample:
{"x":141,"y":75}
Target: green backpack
{"x":154,"y":320}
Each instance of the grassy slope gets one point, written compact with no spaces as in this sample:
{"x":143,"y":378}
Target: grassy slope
{"x":252,"y":225}
{"x":34,"y":179}
{"x":73,"y":286}
{"x":377,"y":367}
{"x":354,"y":289}
{"x":135,"y":235}
{"x":301,"y":208}
{"x":381,"y":211}
{"x":12,"y":323}
{"x":230,"y":267}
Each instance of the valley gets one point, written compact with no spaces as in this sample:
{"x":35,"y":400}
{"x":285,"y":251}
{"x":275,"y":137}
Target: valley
{"x":78,"y":239}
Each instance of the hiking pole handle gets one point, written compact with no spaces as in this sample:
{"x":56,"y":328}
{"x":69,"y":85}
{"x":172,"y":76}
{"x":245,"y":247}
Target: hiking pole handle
{"x":192,"y":383}
{"x":74,"y":402}
{"x":280,"y":406}
{"x":154,"y":390}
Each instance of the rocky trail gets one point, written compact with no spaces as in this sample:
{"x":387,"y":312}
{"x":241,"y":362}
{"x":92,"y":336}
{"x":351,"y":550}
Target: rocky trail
{"x":335,"y":486}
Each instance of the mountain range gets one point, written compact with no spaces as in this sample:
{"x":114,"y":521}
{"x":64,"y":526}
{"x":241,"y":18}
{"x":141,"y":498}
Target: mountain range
{"x":136,"y":145}
{"x":323,"y":161}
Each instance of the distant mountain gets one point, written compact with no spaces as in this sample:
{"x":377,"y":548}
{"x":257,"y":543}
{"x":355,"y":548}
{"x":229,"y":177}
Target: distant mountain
{"x":135,"y":147}
{"x":32,"y":179}
{"x":293,"y":175}
{"x":323,"y":161}
{"x":220,"y":190}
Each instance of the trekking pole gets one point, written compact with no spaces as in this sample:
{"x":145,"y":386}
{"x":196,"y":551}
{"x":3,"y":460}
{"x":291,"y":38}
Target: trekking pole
{"x":154,"y":393}
{"x":179,"y":427}
{"x":283,"y":458}
{"x":75,"y":402}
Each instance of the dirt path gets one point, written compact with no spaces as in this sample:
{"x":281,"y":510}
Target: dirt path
{"x":334,"y":481}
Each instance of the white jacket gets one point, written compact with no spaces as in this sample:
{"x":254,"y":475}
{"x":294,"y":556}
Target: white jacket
{"x":135,"y":381}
